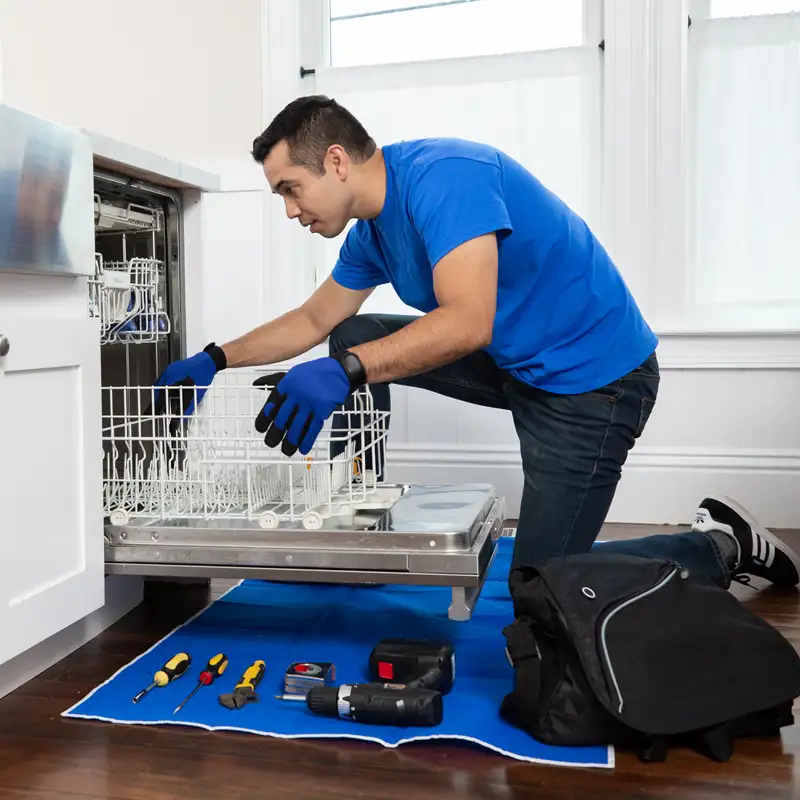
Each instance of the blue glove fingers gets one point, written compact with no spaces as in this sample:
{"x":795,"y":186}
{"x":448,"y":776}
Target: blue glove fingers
{"x":199,"y":370}
{"x":302,"y":419}
{"x":284,"y":418}
{"x":284,"y":412}
{"x":311,"y":436}
{"x":163,"y":378}
{"x":267,"y":414}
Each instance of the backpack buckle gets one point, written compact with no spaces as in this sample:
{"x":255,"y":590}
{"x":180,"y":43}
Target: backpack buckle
{"x":521,"y":643}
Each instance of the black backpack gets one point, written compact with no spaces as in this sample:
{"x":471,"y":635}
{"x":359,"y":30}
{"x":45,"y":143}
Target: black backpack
{"x":642,"y":654}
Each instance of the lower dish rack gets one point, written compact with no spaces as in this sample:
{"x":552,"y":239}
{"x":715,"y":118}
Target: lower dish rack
{"x":202,"y":495}
{"x":214,"y":465}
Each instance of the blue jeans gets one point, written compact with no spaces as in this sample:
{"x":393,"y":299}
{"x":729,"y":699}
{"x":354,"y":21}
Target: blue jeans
{"x":573,"y":449}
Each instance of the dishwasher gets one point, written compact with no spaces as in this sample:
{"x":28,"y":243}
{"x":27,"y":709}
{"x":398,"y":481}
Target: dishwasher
{"x":201,"y":496}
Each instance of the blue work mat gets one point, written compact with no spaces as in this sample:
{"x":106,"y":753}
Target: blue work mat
{"x":280,"y":623}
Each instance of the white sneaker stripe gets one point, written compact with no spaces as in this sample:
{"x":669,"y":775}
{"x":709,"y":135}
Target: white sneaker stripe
{"x":770,"y":553}
{"x":756,"y":544}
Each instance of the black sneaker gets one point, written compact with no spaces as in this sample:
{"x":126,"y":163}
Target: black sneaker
{"x":759,"y":552}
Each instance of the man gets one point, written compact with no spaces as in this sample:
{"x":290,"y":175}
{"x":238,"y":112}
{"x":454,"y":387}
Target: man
{"x":522,"y":309}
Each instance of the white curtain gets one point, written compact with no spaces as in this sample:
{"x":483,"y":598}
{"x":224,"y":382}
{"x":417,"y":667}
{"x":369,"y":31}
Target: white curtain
{"x":542,"y":108}
{"x":744,"y":244}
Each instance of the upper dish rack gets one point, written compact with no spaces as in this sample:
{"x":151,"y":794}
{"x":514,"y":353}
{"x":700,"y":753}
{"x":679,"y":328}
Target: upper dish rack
{"x":125,"y":297}
{"x":127,"y":291}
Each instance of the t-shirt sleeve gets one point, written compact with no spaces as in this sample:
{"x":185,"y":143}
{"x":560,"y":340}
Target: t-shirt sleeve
{"x":356,"y":268}
{"x":454,"y":200}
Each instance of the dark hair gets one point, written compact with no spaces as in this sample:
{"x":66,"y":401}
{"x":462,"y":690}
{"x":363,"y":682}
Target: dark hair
{"x":310,"y":125}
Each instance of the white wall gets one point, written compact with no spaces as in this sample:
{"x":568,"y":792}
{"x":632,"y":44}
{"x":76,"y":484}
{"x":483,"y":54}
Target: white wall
{"x":180,"y":77}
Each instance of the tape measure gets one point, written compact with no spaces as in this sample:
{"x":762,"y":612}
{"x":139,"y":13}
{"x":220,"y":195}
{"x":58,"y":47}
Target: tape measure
{"x":303,"y":675}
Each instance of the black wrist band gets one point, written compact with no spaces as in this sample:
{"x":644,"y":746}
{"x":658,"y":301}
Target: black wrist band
{"x":217,"y":356}
{"x":353,"y":368}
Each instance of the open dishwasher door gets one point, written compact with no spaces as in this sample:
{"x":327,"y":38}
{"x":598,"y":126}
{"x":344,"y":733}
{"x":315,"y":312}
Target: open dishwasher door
{"x":203,"y":496}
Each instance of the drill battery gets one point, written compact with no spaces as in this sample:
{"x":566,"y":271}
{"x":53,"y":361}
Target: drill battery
{"x":414,"y":664}
{"x":304,"y":675}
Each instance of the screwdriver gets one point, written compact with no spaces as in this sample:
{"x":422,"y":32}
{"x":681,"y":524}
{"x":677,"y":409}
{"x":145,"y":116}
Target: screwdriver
{"x":173,"y":669}
{"x":215,"y":667}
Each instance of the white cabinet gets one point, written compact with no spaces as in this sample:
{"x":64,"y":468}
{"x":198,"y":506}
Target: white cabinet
{"x":51,"y":522}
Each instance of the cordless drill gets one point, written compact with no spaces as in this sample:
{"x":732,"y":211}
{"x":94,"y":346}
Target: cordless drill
{"x":420,"y":672}
{"x":375,"y":704}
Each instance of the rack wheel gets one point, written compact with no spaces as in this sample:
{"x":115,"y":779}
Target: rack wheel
{"x":312,"y":520}
{"x":120,"y":517}
{"x":268,"y":520}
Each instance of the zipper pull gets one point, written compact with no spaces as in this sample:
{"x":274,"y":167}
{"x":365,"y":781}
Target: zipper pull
{"x":683,"y":572}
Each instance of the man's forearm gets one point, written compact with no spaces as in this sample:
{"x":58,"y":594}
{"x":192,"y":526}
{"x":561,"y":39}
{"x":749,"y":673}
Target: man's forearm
{"x":286,"y":337}
{"x":440,"y":337}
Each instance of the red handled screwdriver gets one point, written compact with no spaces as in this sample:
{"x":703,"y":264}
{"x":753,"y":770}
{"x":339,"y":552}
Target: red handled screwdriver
{"x":215,"y":667}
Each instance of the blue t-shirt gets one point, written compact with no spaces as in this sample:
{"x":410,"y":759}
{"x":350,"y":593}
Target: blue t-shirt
{"x":565,"y":320}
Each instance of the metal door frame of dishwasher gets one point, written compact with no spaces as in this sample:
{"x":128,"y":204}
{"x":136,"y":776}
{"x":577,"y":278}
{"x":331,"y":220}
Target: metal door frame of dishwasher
{"x":176,"y":269}
{"x":459,"y":559}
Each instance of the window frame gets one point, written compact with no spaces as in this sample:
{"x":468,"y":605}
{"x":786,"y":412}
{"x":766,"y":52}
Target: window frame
{"x":315,"y":34}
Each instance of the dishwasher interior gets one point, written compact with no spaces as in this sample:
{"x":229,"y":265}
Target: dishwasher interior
{"x":200,"y":495}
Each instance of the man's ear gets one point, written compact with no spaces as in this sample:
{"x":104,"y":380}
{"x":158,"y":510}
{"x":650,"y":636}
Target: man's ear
{"x":339,"y":161}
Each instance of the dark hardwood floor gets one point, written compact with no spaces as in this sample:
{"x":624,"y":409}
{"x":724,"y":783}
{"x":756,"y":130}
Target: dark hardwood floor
{"x":45,"y":756}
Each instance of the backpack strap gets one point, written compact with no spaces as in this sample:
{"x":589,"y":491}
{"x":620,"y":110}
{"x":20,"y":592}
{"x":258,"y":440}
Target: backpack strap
{"x":524,"y":655}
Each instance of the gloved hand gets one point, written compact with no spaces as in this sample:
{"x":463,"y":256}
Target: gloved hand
{"x":303,"y":398}
{"x":199,"y":370}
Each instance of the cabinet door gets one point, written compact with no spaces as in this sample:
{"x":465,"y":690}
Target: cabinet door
{"x":51,"y":519}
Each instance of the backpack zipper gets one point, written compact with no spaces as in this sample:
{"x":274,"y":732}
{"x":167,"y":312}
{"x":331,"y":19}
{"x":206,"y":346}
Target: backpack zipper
{"x":628,"y":602}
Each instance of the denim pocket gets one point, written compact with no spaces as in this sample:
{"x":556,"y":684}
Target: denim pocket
{"x":645,"y":410}
{"x":611,"y":392}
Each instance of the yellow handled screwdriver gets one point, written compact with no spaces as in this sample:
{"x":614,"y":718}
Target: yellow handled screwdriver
{"x":173,"y":669}
{"x":215,"y":667}
{"x":245,"y":690}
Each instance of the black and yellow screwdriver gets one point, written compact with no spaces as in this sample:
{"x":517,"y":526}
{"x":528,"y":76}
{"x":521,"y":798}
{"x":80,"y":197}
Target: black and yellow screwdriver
{"x":173,"y":669}
{"x":215,"y":667}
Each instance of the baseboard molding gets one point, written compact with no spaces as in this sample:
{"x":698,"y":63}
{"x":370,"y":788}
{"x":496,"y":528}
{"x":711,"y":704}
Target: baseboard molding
{"x":777,"y":350}
{"x":660,"y":485}
{"x":123,"y":594}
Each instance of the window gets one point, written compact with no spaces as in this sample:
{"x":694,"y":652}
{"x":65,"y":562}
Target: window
{"x":748,"y":8}
{"x":744,"y":188}
{"x":392,"y":31}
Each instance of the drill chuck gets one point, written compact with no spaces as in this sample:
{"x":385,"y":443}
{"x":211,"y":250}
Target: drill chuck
{"x":324,"y":700}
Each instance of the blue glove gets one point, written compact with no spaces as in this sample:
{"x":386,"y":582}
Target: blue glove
{"x":197,"y":371}
{"x":303,"y":398}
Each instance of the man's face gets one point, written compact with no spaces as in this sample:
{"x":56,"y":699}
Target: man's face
{"x":320,"y":202}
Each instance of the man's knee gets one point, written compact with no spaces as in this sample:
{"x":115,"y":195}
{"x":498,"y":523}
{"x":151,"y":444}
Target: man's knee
{"x":354,"y":331}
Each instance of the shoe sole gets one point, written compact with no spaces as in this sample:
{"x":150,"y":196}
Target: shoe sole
{"x":777,"y":543}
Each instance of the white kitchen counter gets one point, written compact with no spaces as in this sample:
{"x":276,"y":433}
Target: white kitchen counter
{"x":113,"y":154}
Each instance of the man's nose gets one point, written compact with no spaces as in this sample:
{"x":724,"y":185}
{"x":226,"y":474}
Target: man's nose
{"x":292,"y":209}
